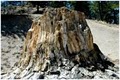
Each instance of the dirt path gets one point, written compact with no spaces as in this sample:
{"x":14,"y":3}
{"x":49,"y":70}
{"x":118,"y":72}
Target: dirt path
{"x":107,"y":38}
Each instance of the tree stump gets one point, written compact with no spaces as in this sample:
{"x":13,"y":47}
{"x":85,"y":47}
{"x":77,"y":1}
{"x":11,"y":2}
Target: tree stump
{"x":60,"y":34}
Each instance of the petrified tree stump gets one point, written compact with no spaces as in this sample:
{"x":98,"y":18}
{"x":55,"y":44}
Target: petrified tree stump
{"x":58,"y":34}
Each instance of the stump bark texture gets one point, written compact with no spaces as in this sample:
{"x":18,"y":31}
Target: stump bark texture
{"x":60,"y":34}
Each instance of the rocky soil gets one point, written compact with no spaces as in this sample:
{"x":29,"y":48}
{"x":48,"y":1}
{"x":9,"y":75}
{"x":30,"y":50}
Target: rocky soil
{"x":13,"y":31}
{"x":11,"y":50}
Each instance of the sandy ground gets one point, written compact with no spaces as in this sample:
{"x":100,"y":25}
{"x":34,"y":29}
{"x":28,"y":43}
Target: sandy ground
{"x":11,"y":49}
{"x":106,"y":37}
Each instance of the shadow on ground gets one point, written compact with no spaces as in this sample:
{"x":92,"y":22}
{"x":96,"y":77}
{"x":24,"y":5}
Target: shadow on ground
{"x":12,"y":25}
{"x":38,"y":12}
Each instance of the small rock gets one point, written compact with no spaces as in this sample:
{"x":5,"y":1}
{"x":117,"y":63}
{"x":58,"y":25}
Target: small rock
{"x":65,"y":61}
{"x":109,"y":72}
{"x":79,"y":75}
{"x":84,"y":71}
{"x":102,"y":75}
{"x":51,"y":76}
{"x":75,"y":69}
{"x":69,"y":66}
{"x":112,"y":73}
{"x":64,"y":74}
{"x":94,"y":72}
{"x":96,"y":77}
{"x":91,"y":74}
{"x":37,"y":76}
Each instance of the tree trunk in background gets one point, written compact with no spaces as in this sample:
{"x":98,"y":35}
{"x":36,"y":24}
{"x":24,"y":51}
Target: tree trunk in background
{"x":60,"y":34}
{"x":100,"y":9}
{"x":37,"y":6}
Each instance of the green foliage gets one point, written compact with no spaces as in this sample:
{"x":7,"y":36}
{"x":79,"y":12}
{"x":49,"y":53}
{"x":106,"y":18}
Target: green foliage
{"x":102,"y":10}
{"x":94,"y":9}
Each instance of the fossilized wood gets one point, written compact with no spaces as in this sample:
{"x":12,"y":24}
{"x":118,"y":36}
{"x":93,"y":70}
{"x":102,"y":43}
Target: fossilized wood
{"x":60,"y":29}
{"x":59,"y":34}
